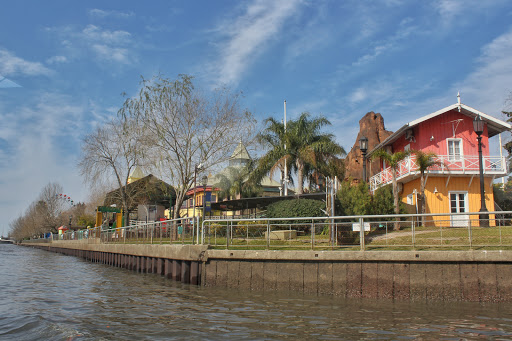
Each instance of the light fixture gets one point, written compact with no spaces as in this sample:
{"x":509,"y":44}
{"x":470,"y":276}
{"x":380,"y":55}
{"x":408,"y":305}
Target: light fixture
{"x":435,"y":190}
{"x":363,"y":146}
{"x":432,"y":138}
{"x":478,"y":125}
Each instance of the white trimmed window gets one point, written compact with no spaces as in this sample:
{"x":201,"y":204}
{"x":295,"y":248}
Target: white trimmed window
{"x":454,"y":149}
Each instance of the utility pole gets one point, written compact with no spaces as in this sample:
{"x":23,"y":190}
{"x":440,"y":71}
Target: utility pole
{"x":285,"y":182}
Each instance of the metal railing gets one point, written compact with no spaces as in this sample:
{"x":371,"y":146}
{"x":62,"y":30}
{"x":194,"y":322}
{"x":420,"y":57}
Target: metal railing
{"x":456,"y":231}
{"x":448,"y":164}
{"x":413,"y":231}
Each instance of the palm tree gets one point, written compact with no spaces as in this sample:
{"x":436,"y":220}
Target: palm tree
{"x":424,"y":160}
{"x":307,"y":148}
{"x":393,"y":160}
{"x":272,"y":137}
{"x":233,"y":182}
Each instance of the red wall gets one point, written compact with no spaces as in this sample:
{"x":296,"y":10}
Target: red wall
{"x":441,"y":129}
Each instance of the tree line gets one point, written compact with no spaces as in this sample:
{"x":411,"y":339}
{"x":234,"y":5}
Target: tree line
{"x":48,"y":212}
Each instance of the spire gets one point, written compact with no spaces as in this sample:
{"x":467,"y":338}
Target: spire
{"x":135,"y":175}
{"x":240,"y":156}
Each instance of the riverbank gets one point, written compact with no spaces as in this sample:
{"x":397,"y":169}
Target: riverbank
{"x":402,"y":275}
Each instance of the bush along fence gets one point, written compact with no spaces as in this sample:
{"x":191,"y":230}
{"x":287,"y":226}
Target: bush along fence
{"x":417,"y":231}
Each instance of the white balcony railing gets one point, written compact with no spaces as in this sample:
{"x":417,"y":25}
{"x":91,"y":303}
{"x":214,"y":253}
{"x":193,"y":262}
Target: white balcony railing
{"x":448,"y":165}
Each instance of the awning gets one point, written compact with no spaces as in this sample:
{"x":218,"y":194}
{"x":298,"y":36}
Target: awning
{"x":261,"y":202}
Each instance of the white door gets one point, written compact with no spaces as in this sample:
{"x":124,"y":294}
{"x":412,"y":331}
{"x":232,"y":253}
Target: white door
{"x":459,"y":204}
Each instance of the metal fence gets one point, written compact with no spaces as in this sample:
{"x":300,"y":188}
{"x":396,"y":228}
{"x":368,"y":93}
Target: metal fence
{"x":395,"y":232}
{"x":398,"y":232}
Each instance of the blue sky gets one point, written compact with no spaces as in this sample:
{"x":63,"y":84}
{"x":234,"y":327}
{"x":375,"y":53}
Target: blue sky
{"x":64,"y":65}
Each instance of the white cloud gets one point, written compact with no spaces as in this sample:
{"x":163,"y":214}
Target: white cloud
{"x":100,"y":13}
{"x":105,"y":45}
{"x":94,"y":33}
{"x":488,"y":86}
{"x":358,"y":95}
{"x":114,"y":54}
{"x":311,"y":35}
{"x":13,"y":65}
{"x":248,"y":34}
{"x":390,"y":43}
{"x":57,"y":60}
{"x":448,"y":10}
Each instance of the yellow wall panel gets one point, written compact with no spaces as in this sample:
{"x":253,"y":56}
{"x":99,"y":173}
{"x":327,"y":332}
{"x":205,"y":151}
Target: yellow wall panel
{"x":439,"y":202}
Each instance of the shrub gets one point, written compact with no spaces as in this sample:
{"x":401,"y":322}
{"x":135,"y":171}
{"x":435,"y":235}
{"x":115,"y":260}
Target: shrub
{"x":296,"y":208}
{"x":357,"y":200}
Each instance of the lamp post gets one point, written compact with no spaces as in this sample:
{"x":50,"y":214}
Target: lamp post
{"x":205,"y":182}
{"x":363,"y":146}
{"x":197,"y":168}
{"x":478,"y":126}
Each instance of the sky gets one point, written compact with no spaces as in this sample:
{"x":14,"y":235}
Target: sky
{"x":64,"y":66}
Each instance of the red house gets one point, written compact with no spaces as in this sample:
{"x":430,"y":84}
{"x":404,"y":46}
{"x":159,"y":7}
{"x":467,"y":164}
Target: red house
{"x":454,"y":185}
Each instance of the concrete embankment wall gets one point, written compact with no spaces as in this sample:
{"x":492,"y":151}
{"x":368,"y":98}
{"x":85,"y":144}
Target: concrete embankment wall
{"x":176,"y":262}
{"x":405,"y":275}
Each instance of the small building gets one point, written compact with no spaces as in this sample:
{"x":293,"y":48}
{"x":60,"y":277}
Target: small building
{"x":148,"y":197}
{"x":453,"y":186}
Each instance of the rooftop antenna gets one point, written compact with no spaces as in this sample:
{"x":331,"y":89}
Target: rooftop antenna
{"x":458,"y":100}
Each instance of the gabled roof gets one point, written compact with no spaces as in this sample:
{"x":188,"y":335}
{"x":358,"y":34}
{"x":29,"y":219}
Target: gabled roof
{"x":240,"y":152}
{"x":148,"y":190}
{"x":494,"y":125}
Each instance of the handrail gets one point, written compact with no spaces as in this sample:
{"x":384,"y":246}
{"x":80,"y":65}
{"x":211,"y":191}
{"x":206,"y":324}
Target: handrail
{"x":447,"y":164}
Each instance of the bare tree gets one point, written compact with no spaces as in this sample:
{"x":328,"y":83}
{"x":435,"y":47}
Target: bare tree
{"x":114,"y":149}
{"x":43,"y":215}
{"x":187,"y":128}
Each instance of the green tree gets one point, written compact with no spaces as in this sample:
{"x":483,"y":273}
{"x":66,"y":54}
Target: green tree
{"x":233,"y":182}
{"x":424,"y":160}
{"x":382,"y":202}
{"x":303,"y":146}
{"x":508,"y":145}
{"x":393,"y":160}
{"x":503,"y":196}
{"x":355,"y":199}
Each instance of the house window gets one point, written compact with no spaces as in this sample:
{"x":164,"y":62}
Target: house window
{"x":410,"y":199}
{"x":454,"y":149}
{"x":214,"y":198}
{"x":458,"y":202}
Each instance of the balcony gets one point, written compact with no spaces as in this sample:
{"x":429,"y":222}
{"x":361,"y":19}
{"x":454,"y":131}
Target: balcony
{"x":449,"y":165}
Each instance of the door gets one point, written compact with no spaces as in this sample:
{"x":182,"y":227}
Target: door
{"x":459,"y":204}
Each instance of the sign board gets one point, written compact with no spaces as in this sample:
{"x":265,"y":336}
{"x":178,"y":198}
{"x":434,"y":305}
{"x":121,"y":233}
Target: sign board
{"x":208,"y":203}
{"x":357,"y":227}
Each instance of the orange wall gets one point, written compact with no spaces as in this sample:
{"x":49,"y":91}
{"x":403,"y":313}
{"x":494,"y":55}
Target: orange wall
{"x":439,"y":202}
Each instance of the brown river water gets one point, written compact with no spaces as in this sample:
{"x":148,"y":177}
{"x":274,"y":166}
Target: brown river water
{"x":48,"y":296}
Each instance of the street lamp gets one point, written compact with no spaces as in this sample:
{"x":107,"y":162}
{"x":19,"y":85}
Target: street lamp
{"x":363,"y":146}
{"x":205,"y":182}
{"x":478,"y":126}
{"x":197,"y":168}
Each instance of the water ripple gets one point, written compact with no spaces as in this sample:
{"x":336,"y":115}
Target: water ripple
{"x":56,"y":297}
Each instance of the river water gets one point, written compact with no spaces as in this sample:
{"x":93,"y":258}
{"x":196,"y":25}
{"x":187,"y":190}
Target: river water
{"x":48,"y":296}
